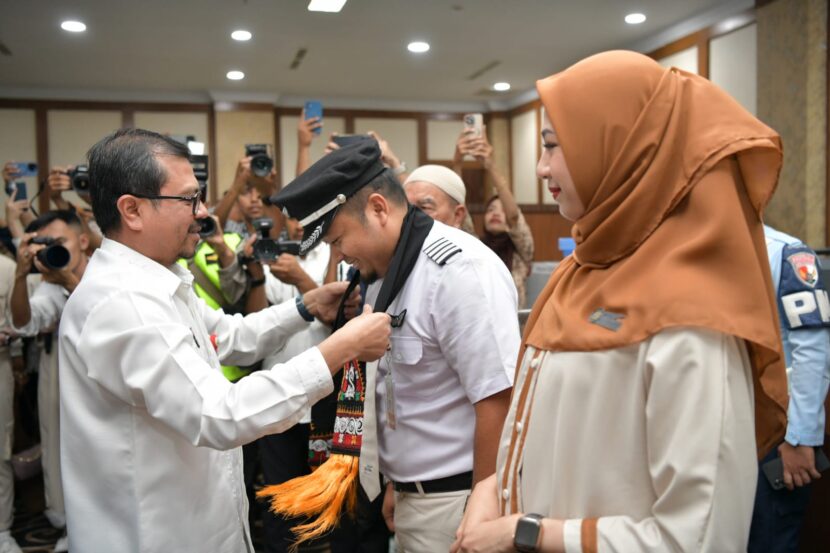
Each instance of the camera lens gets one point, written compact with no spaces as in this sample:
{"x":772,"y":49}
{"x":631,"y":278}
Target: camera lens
{"x":54,"y":256}
{"x":208,"y":227}
{"x":261,"y":165}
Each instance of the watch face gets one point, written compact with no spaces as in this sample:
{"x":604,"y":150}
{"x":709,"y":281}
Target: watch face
{"x":527,"y":534}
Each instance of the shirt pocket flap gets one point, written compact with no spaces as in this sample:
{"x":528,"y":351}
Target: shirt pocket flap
{"x":406,"y":350}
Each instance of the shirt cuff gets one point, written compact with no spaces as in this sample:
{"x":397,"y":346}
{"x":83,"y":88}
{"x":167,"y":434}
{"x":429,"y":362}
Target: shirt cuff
{"x":572,"y":535}
{"x":288,"y":316}
{"x":794,"y":437}
{"x":314,"y":374}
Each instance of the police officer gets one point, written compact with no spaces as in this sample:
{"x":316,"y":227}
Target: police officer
{"x":804,"y":313}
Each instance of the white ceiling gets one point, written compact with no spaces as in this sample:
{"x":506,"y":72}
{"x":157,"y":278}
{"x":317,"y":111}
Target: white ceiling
{"x":181,"y":49}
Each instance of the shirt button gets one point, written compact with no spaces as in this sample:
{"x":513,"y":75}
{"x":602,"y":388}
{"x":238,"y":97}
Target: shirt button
{"x":398,"y":357}
{"x":505,"y":493}
{"x":534,"y":363}
{"x":519,"y":427}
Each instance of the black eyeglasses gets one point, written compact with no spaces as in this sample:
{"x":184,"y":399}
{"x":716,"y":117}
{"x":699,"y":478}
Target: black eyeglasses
{"x":195,"y":199}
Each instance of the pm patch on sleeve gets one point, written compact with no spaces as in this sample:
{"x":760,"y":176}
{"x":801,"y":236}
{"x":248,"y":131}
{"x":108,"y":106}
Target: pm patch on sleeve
{"x":803,"y":301}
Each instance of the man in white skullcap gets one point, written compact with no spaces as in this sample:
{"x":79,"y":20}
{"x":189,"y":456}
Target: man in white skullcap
{"x":439,"y":192}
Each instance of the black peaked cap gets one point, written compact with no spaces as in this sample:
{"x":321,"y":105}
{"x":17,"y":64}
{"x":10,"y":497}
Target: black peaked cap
{"x":326,"y":185}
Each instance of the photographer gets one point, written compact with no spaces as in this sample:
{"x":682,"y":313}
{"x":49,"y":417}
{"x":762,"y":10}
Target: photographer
{"x":60,"y":181}
{"x":246,"y":194}
{"x":41,"y":315}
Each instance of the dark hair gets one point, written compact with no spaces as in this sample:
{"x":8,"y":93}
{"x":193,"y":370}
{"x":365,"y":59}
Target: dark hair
{"x":124,"y":162}
{"x":385,"y":184}
{"x":65,"y":215}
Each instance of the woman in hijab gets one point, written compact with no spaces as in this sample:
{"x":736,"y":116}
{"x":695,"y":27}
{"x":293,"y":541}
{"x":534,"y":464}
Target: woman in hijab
{"x":650,"y":375}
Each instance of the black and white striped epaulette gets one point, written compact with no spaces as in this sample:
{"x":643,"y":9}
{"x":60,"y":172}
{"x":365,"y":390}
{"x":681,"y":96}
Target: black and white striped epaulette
{"x":441,"y":250}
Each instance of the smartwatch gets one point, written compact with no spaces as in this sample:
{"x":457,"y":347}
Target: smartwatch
{"x":528,"y":532}
{"x":302,"y":309}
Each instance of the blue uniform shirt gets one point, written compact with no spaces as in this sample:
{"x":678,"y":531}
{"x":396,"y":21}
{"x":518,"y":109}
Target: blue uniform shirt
{"x":804,"y":312}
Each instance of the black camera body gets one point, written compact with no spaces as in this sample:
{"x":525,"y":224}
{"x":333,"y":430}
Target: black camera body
{"x":53,"y":256}
{"x":200,"y":171}
{"x":261,"y":163}
{"x":79,"y":176}
{"x":268,"y":249}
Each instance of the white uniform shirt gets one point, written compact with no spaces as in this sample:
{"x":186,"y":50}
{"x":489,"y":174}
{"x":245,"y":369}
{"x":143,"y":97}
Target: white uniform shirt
{"x":315,"y":264}
{"x":46,"y":305}
{"x":458,"y":345}
{"x":150,"y":428}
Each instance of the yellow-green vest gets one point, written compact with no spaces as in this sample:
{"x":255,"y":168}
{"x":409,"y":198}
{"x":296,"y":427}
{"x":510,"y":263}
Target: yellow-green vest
{"x":206,"y":261}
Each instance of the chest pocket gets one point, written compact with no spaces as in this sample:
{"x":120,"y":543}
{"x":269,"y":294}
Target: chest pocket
{"x":406,"y":350}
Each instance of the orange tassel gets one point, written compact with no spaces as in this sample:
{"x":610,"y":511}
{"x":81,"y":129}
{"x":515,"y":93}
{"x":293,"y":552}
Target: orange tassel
{"x":323,"y":493}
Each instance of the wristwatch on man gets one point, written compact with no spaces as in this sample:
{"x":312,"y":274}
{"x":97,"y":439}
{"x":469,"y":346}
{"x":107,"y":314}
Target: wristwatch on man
{"x":528,"y":534}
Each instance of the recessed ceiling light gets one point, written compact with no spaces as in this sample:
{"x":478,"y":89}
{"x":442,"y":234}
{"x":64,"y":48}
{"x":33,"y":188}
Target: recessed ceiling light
{"x":501,"y":87}
{"x":73,"y":26}
{"x":330,"y":6}
{"x":241,"y":35}
{"x":635,"y":18}
{"x":418,"y":47}
{"x":235,"y":75}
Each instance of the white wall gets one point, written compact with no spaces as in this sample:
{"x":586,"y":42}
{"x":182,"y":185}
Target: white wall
{"x":288,"y":142}
{"x":733,"y":64}
{"x":18,"y":143}
{"x":524,"y":131}
{"x":685,"y":60}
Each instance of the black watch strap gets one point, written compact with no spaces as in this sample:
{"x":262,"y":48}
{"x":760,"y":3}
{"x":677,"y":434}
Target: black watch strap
{"x":528,"y":530}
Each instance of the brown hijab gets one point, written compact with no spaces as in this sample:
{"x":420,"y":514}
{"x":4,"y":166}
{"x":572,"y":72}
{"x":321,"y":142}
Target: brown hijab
{"x":674,"y":175}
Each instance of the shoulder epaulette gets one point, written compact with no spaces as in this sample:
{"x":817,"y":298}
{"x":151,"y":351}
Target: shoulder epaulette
{"x":441,"y":250}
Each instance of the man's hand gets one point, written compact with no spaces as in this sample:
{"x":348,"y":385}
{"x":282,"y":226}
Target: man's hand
{"x":62,"y":277}
{"x":331,"y":145}
{"x":387,"y":156}
{"x":388,"y":508}
{"x":306,"y":130}
{"x":324,"y":301}
{"x":365,"y":338}
{"x":287,"y":269}
{"x":10,"y":171}
{"x":243,"y":173}
{"x":58,"y":182}
{"x":15,"y":209}
{"x":799,"y":464}
{"x":217,"y":239}
{"x":25,"y":256}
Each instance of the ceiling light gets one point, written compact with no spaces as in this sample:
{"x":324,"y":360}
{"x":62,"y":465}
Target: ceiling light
{"x":501,"y":87}
{"x":418,"y":47}
{"x":73,"y":26}
{"x":330,"y":6}
{"x":235,"y":75}
{"x":635,"y":18}
{"x":241,"y":35}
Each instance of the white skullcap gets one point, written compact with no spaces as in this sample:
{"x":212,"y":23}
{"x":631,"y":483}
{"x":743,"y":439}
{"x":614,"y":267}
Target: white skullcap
{"x":444,"y":178}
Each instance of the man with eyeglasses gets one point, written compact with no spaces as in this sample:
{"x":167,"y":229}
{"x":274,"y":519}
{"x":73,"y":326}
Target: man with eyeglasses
{"x":151,"y":429}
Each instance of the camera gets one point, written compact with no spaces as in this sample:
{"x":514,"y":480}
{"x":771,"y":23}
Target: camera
{"x":208,"y":227}
{"x":200,"y":171}
{"x":268,"y":249}
{"x":261,"y":163}
{"x":53,"y":256}
{"x":79,"y":176}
